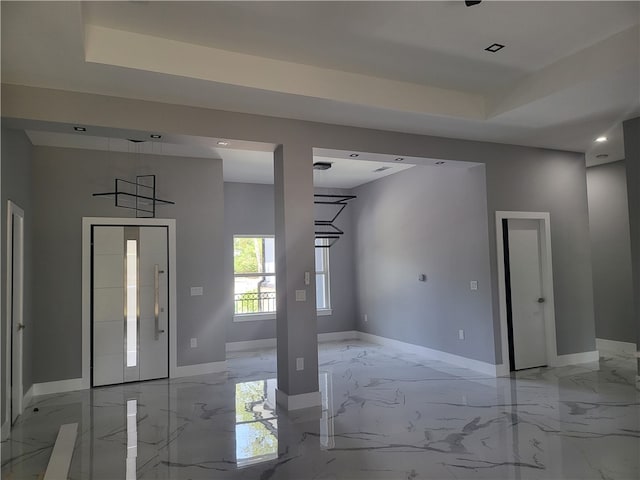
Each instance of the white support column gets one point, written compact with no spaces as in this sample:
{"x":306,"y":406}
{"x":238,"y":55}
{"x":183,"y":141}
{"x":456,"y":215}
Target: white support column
{"x":296,"y":301}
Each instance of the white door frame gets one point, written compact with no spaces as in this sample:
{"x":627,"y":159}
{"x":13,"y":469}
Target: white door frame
{"x":87,"y":223}
{"x":547,"y":285}
{"x":13,"y":384}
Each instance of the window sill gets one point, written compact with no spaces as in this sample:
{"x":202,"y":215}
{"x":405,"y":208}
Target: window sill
{"x":257,"y":317}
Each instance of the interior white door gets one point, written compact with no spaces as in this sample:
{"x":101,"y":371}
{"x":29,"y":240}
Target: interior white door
{"x":16,"y":308}
{"x":130,"y":304}
{"x":528,"y":323}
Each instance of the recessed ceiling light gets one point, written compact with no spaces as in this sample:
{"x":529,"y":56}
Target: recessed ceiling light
{"x":354,"y":155}
{"x":602,"y":155}
{"x":601,"y":139}
{"x":495,"y":47}
{"x":322,"y":165}
{"x":223,"y":143}
{"x":440,"y":163}
{"x":155,"y":135}
{"x":399,"y":159}
{"x":80,"y":129}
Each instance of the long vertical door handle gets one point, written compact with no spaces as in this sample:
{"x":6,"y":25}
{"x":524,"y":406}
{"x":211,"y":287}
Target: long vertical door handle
{"x":156,"y":294}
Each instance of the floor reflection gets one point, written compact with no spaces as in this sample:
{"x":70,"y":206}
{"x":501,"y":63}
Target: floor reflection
{"x":132,"y":439}
{"x":257,"y":420}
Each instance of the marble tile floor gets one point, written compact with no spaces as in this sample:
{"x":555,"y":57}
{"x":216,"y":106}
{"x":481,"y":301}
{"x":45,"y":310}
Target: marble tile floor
{"x":385,"y":415}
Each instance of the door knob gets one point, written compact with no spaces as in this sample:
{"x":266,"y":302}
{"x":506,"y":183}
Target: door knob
{"x":540,"y":300}
{"x":21,"y":326}
{"x":160,"y":331}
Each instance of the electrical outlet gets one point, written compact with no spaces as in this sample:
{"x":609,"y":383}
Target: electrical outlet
{"x":307,"y":278}
{"x":460,"y":334}
{"x":473,"y":284}
{"x":194,"y":343}
{"x":300,"y":363}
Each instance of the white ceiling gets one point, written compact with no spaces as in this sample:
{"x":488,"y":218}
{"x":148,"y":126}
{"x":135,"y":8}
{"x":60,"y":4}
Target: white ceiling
{"x":569,"y":71}
{"x":240,"y":164}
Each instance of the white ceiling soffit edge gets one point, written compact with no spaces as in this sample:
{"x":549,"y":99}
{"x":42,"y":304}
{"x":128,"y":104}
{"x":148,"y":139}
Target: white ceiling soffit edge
{"x":144,"y":52}
{"x":90,"y":142}
{"x":331,"y":154}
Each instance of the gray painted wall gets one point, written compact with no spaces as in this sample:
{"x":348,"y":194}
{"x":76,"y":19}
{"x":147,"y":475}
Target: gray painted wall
{"x":632,"y":163}
{"x":433,"y":221}
{"x":540,"y":180}
{"x":518,"y":178}
{"x":16,"y":186}
{"x":249,"y":210}
{"x":611,"y":252}
{"x":64,"y":180}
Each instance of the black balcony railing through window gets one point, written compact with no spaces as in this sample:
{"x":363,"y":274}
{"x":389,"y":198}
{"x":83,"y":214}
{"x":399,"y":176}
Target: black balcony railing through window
{"x":254,"y":302}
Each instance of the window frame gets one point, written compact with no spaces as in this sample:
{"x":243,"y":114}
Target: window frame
{"x":260,"y":316}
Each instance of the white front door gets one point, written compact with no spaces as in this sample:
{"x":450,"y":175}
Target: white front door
{"x":528,"y":323}
{"x":15,"y":269}
{"x":130,"y":314}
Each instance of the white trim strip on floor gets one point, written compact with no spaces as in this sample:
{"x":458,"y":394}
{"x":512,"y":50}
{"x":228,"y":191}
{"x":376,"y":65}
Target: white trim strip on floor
{"x":60,"y":461}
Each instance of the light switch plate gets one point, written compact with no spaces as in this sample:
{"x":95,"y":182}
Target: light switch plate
{"x":473,"y":284}
{"x":196,"y":291}
{"x":301,"y":295}
{"x":307,"y":278}
{"x":300,"y":363}
{"x":460,"y":334}
{"x":194,"y":343}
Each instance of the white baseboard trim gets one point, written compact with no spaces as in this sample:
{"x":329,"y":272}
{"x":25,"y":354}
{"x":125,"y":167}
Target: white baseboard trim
{"x":59,"y":386}
{"x":26,"y":400}
{"x":200,"y":369}
{"x":298,"y":402}
{"x":457,"y":360}
{"x":576,"y":358}
{"x":338,"y":336}
{"x":5,"y":430}
{"x":273,"y":342}
{"x":615,"y":346}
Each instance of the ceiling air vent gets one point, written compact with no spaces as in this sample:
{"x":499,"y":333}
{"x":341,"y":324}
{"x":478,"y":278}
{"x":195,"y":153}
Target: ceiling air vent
{"x":322,"y":165}
{"x":381,"y":169}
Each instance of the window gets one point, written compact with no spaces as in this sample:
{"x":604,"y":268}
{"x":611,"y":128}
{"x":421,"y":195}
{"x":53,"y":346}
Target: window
{"x":255,"y":276}
{"x":322,"y":278}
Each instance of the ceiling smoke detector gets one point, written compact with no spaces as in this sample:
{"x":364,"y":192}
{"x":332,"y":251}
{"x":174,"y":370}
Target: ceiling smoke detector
{"x":322,"y":165}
